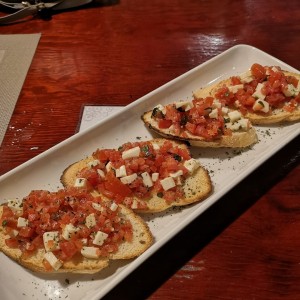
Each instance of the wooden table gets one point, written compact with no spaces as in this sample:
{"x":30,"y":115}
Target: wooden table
{"x":247,"y":246}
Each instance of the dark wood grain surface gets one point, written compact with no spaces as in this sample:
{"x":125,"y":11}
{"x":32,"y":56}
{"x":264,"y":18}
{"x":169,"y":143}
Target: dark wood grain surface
{"x":247,"y":246}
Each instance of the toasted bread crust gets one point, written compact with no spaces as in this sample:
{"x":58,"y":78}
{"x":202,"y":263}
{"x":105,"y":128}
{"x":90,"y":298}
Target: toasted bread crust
{"x":142,"y":240}
{"x":196,"y":187}
{"x":275,"y":116}
{"x":239,"y":139}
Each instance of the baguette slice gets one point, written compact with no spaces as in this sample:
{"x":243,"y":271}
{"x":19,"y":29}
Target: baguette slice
{"x":142,"y":240}
{"x":196,"y":187}
{"x":274,"y":115}
{"x":239,"y":139}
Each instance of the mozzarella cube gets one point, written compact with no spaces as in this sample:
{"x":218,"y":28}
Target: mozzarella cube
{"x":234,"y":115}
{"x":176,"y":174}
{"x":22,"y":222}
{"x":97,"y":206}
{"x":167,"y":183}
{"x":233,"y":126}
{"x":53,"y":261}
{"x":101,"y":173}
{"x":154,"y":176}
{"x":216,"y":104}
{"x":186,"y":105}
{"x":121,"y":172}
{"x":68,"y":231}
{"x":214,"y":113}
{"x":90,"y":220}
{"x":147,"y":181}
{"x":290,"y":91}
{"x":161,"y":108}
{"x":100,"y":237}
{"x":225,"y":110}
{"x":51,"y":240}
{"x":246,"y":77}
{"x":93,"y":163}
{"x":108,"y":166}
{"x":128,"y":179}
{"x":15,"y":204}
{"x":244,"y":123}
{"x":133,"y":152}
{"x":80,"y":182}
{"x":114,"y":206}
{"x":134,"y":204}
{"x":258,"y":92}
{"x":155,"y":146}
{"x":235,"y":88}
{"x":261,"y":105}
{"x":191,"y":165}
{"x":90,"y":252}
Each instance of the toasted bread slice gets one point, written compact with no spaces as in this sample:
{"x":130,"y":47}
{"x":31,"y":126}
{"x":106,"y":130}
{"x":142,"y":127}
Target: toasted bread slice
{"x":238,"y":139}
{"x":142,"y":240}
{"x":274,"y":115}
{"x":196,"y":186}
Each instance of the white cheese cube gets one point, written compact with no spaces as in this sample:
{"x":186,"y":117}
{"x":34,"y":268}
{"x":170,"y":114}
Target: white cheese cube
{"x":121,"y":172}
{"x":114,"y":206}
{"x":128,"y":179}
{"x":97,"y":206}
{"x":108,"y":166}
{"x":51,"y":240}
{"x":246,"y":77}
{"x":80,"y":182}
{"x":134,"y":204}
{"x":22,"y":222}
{"x":233,"y":126}
{"x":167,"y":183}
{"x":93,"y":163}
{"x":68,"y":231}
{"x":186,"y":105}
{"x":53,"y":261}
{"x":15,"y":204}
{"x":100,"y":237}
{"x":176,"y":174}
{"x":147,"y":181}
{"x":258,"y":93}
{"x":216,"y":104}
{"x":261,"y":105}
{"x":290,"y":91}
{"x":214,"y":113}
{"x":154,"y":176}
{"x":234,"y":115}
{"x":133,"y":152}
{"x":155,"y":146}
{"x":225,"y":110}
{"x":235,"y":88}
{"x":90,"y":220}
{"x":101,"y":173}
{"x":90,"y":252}
{"x":191,"y":165}
{"x":244,"y":123}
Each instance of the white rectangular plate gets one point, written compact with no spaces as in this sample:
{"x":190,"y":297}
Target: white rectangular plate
{"x":227,"y":168}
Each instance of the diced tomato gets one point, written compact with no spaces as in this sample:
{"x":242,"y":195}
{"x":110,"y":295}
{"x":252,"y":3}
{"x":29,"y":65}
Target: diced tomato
{"x":47,"y":266}
{"x":12,"y":243}
{"x":163,"y":123}
{"x":235,"y":80}
{"x":68,"y":248}
{"x":258,"y":71}
{"x":26,"y":232}
{"x":114,"y":185}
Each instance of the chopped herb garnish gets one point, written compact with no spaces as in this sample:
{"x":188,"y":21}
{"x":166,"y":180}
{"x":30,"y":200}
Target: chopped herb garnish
{"x":157,"y":113}
{"x":4,"y":223}
{"x":146,"y":150}
{"x":184,"y":120}
{"x":160,"y":194}
{"x":177,"y":157}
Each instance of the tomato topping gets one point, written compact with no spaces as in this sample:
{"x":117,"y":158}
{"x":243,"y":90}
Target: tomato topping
{"x":258,"y":71}
{"x":50,"y":213}
{"x":163,"y":123}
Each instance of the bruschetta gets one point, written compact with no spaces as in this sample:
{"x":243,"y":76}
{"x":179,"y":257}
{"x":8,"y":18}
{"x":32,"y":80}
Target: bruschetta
{"x":146,"y":176}
{"x":70,"y":231}
{"x":202,"y":122}
{"x":263,"y":94}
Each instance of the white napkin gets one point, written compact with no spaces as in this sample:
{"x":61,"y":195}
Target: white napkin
{"x":16,"y":53}
{"x":93,"y":114}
